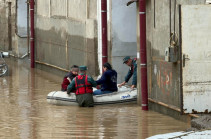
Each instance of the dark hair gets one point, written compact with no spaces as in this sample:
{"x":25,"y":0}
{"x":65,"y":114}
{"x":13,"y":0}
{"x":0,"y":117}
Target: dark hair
{"x":107,"y":65}
{"x":74,"y":66}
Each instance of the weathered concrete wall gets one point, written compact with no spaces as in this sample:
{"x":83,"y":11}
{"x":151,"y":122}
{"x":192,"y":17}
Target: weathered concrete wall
{"x":123,"y":35}
{"x":7,"y":16}
{"x":163,"y":77}
{"x":3,"y":26}
{"x":21,"y":28}
{"x":11,"y":24}
{"x":22,"y":18}
{"x":65,"y":35}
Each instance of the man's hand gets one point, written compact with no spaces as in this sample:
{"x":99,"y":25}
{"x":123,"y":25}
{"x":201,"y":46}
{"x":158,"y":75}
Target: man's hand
{"x":133,"y":86}
{"x":122,"y":84}
{"x":68,"y":91}
{"x":68,"y":79}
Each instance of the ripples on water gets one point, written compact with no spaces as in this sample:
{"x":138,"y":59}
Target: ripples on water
{"x":24,"y":112}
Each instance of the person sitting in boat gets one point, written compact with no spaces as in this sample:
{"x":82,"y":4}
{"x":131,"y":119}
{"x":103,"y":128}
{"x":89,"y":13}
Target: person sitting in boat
{"x":108,"y":81}
{"x":69,"y":77}
{"x":132,"y":71}
{"x":83,"y":85}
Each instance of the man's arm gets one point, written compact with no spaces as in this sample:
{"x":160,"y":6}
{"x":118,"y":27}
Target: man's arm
{"x":134,"y":81}
{"x":91,"y":81}
{"x":101,"y":80}
{"x":128,"y":76}
{"x":71,"y":86}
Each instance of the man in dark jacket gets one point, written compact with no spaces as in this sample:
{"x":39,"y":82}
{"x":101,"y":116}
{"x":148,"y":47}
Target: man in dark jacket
{"x":108,"y":81}
{"x":69,"y":77}
{"x":83,"y":85}
{"x":132,"y":71}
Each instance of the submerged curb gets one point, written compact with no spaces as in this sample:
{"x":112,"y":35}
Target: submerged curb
{"x":184,"y":135}
{"x":200,"y":128}
{"x":201,"y":123}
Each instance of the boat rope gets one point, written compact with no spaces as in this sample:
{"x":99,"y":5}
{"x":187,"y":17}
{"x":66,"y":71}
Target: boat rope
{"x":53,"y":95}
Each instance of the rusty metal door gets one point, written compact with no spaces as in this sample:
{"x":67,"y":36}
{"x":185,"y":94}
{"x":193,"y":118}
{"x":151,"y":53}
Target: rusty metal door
{"x":196,"y":58}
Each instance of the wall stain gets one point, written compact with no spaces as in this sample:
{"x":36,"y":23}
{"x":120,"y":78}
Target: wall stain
{"x":198,"y":83}
{"x":64,"y":50}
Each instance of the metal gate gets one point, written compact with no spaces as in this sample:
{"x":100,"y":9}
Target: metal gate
{"x":195,"y":28}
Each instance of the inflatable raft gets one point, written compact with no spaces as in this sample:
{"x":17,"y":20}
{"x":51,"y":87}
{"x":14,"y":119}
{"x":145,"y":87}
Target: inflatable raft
{"x":124,"y":95}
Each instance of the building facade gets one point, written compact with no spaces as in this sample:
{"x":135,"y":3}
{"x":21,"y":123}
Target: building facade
{"x":13,"y":27}
{"x":168,"y":79}
{"x":66,"y":33}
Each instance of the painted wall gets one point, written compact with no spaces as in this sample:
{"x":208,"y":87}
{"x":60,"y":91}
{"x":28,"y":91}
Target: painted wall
{"x":123,"y":35}
{"x":163,"y":77}
{"x":66,"y":33}
{"x":99,"y":20}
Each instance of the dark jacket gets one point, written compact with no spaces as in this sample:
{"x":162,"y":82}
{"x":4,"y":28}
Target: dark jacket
{"x":70,"y":76}
{"x":108,"y":81}
{"x":132,"y":72}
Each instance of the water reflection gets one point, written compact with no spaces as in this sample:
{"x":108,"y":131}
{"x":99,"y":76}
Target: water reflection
{"x":25,"y":113}
{"x":144,"y":124}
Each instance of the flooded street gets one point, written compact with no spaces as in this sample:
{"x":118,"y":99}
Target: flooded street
{"x":25,"y":112}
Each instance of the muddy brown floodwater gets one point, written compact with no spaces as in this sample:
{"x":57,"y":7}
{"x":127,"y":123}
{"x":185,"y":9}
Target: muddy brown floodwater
{"x":25,"y":113}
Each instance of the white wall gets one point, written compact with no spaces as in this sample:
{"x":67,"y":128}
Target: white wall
{"x":123,"y":35}
{"x":99,"y":35}
{"x":22,"y":17}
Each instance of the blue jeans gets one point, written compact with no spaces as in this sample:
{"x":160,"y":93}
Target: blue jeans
{"x":99,"y":92}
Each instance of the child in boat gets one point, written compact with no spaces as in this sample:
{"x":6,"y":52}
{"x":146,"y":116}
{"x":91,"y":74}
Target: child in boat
{"x":69,"y":77}
{"x":108,"y":81}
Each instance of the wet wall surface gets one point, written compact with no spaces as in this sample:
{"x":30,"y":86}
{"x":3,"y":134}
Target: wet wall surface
{"x":12,"y":33}
{"x":7,"y":25}
{"x":63,"y":43}
{"x":164,"y":82}
{"x":25,"y":112}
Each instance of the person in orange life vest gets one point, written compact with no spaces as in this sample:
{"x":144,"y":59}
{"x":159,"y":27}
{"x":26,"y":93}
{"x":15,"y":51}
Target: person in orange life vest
{"x":108,"y":81}
{"x":69,"y":77}
{"x":83,"y":85}
{"x":132,"y":71}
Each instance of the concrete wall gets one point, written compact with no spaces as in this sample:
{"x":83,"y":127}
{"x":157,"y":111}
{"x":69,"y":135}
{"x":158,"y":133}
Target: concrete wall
{"x":21,"y":29}
{"x":4,"y":14}
{"x":123,"y":35}
{"x":22,"y":18}
{"x":163,"y":77}
{"x":10,"y":24}
{"x":66,"y":33}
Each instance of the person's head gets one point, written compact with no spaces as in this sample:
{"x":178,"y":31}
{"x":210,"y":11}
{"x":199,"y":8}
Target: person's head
{"x":127,"y":60}
{"x":82,"y":69}
{"x":107,"y":66}
{"x":75,"y":69}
